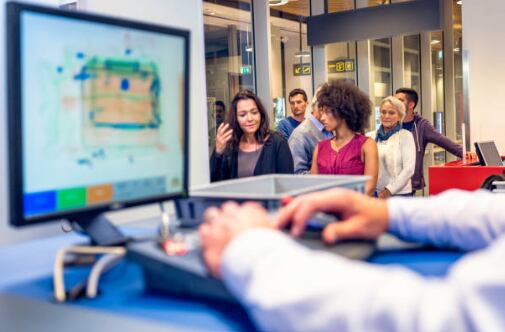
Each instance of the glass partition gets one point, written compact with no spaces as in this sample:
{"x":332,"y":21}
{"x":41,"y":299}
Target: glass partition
{"x":291,"y":56}
{"x":229,"y":56}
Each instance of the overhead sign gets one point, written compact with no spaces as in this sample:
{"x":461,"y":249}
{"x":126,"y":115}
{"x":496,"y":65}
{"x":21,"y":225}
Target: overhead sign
{"x":340,"y":66}
{"x":245,"y":70}
{"x":302,"y":69}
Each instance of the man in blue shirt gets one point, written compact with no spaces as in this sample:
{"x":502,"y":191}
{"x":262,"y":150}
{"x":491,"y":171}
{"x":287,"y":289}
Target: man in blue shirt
{"x":298,"y":103}
{"x":287,"y":287}
{"x":305,"y":137}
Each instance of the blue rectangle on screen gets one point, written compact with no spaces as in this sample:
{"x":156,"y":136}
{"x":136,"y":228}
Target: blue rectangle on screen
{"x":41,"y":202}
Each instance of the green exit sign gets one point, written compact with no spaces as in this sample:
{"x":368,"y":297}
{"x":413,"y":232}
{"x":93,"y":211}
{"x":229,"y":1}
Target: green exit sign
{"x":245,"y":70}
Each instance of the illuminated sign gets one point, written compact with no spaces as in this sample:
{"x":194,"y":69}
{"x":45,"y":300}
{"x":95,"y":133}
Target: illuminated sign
{"x":245,"y":70}
{"x":340,"y":66}
{"x":302,"y":69}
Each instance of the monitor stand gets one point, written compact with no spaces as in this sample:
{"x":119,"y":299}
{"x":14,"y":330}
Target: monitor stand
{"x":101,"y":231}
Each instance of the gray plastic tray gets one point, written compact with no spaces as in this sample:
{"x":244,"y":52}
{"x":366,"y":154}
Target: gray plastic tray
{"x":276,"y":186}
{"x":265,"y":189}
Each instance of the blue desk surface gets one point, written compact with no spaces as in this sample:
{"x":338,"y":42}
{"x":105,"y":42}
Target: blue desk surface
{"x":26,"y":270}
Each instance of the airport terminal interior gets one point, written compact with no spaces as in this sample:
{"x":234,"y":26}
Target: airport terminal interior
{"x":132,"y":129}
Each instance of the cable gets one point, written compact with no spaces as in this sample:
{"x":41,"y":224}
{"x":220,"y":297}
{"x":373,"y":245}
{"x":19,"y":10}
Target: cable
{"x":104,"y":264}
{"x":58,"y":279}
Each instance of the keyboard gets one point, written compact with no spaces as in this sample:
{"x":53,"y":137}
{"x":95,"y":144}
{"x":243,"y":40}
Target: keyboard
{"x":186,"y":275}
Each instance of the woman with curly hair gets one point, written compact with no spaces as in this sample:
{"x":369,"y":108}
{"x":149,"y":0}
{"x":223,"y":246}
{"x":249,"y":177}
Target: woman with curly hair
{"x":345,"y":112}
{"x":245,"y":146}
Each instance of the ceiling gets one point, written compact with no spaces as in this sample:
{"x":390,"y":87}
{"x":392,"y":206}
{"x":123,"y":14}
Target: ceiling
{"x":220,"y":13}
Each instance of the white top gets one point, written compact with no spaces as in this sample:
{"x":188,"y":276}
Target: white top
{"x":397,"y":162}
{"x":286,"y":287}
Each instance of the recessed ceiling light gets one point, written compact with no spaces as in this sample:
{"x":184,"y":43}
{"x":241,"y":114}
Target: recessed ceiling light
{"x":459,"y":2}
{"x":435,"y":41}
{"x":302,"y":54}
{"x":273,"y":3}
{"x":456,"y":49}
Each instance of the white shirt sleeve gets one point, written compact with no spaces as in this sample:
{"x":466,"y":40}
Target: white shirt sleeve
{"x":453,"y":219}
{"x":408,"y":162}
{"x":287,"y":287}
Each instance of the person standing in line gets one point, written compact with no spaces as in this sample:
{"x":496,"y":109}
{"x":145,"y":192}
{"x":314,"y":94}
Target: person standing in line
{"x":424,"y":133}
{"x":397,"y":153}
{"x":305,"y":137}
{"x":220,"y":108}
{"x":345,"y":112}
{"x":298,"y":103}
{"x":245,"y":146}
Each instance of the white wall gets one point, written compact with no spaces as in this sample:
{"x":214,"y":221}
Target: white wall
{"x":185,"y":14}
{"x":483,"y":31}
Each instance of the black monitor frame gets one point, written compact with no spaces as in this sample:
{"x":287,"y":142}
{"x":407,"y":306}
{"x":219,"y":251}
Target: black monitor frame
{"x":486,"y":159}
{"x":82,"y":216}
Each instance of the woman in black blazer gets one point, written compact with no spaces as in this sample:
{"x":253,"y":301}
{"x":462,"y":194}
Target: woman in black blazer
{"x":245,"y":146}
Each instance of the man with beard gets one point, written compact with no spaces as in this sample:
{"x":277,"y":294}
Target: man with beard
{"x":298,"y":103}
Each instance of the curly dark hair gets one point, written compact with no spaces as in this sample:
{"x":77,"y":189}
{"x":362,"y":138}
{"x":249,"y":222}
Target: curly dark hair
{"x":346,"y":102}
{"x":231,"y":119}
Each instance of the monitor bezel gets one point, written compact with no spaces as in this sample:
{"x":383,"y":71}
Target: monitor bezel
{"x":484,"y":161}
{"x":15,"y":108}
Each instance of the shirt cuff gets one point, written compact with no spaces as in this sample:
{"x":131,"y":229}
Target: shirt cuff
{"x":396,"y":206}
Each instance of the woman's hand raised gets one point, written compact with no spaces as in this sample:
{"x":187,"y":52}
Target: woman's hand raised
{"x":223,"y":137}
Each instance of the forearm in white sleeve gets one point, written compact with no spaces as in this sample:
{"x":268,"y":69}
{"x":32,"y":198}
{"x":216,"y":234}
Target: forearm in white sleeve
{"x":286,"y":287}
{"x":453,"y":219}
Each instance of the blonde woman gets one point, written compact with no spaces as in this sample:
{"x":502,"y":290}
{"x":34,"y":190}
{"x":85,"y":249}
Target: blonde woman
{"x":397,"y":153}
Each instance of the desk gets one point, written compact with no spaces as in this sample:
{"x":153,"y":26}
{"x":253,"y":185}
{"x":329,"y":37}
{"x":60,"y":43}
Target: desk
{"x":459,"y":175}
{"x":26,"y":271}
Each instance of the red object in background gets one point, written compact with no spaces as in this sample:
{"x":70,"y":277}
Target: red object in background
{"x":459,"y":175}
{"x":286,"y":200}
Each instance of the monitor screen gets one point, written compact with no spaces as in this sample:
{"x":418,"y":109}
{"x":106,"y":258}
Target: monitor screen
{"x":488,"y":154}
{"x":97,"y":113}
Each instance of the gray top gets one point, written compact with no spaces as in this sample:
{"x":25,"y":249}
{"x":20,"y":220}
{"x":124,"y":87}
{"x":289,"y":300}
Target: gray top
{"x":302,"y":143}
{"x":247,"y":162}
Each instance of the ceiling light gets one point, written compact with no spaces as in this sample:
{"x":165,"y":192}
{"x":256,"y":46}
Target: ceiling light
{"x":210,"y":11}
{"x":249,"y":48}
{"x":459,"y":2}
{"x":456,"y":49}
{"x":301,"y":54}
{"x":273,"y":3}
{"x":435,"y":41}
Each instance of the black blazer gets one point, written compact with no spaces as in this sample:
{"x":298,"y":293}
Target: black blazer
{"x":274,"y":158}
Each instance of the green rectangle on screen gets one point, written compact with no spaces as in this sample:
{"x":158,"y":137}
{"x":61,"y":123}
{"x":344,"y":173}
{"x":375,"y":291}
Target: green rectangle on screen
{"x":71,"y":198}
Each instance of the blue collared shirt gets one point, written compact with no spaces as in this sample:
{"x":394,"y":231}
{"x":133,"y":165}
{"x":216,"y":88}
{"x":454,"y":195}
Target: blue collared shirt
{"x":319,"y":125}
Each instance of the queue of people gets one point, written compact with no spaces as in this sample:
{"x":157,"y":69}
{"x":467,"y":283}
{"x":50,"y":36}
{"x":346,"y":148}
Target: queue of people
{"x":287,"y":287}
{"x":331,"y":139}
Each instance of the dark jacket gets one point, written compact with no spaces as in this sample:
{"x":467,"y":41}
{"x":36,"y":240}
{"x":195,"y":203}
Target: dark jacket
{"x":425,"y":133}
{"x":274,"y":158}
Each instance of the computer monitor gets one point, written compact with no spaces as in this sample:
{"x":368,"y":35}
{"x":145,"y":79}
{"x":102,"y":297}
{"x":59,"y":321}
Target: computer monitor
{"x":97,"y":116}
{"x":488,"y":154}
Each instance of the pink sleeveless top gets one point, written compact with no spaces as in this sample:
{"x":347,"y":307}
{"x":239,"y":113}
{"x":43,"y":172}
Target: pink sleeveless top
{"x":347,"y":161}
